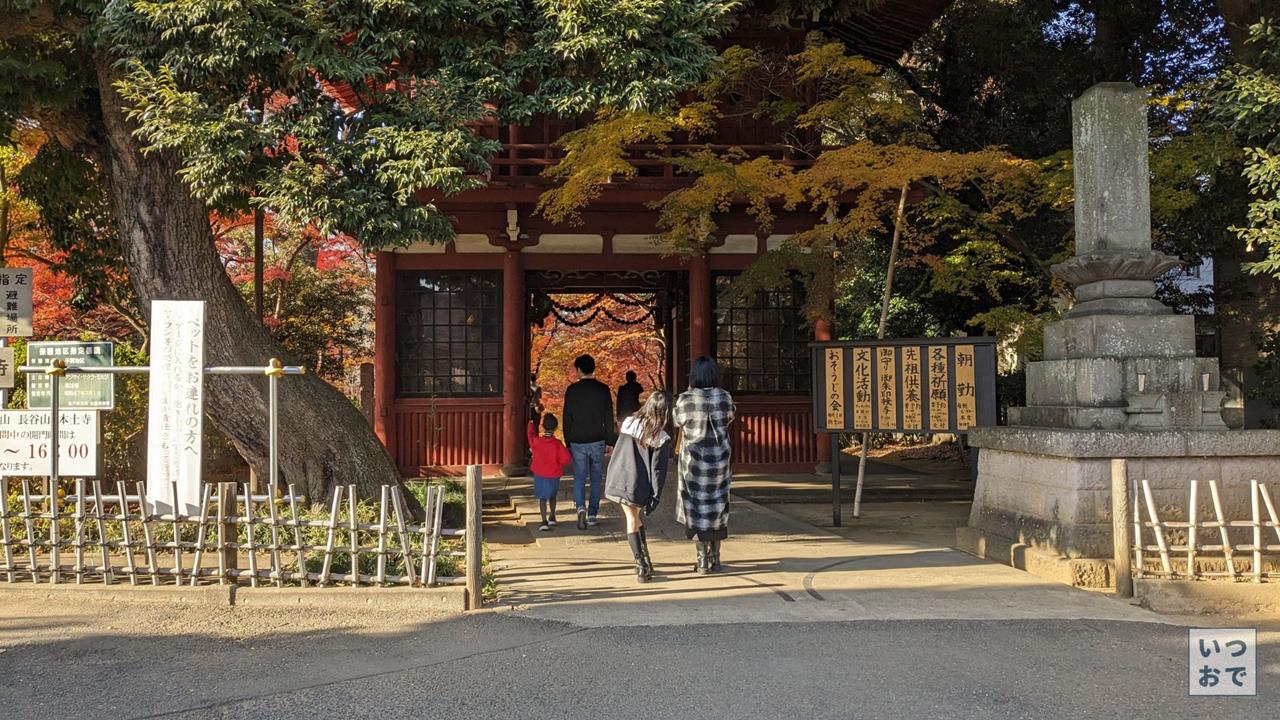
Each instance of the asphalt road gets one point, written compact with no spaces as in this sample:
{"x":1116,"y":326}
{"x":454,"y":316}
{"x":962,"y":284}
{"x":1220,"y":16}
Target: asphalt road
{"x":118,"y":664}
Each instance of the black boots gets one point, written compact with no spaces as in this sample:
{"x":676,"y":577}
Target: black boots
{"x":713,"y":559}
{"x":644,"y":570}
{"x":644,"y":554}
{"x":704,"y":558}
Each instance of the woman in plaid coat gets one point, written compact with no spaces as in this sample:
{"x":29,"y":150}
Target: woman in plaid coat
{"x":703,"y":414}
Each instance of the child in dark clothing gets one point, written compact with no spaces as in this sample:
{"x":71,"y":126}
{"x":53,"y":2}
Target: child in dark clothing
{"x":549,"y":458}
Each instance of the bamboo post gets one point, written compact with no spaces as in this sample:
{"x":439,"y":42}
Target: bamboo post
{"x":31,"y":532}
{"x":428,"y":522}
{"x":1227,"y":550}
{"x":177,"y":536}
{"x":354,"y":527}
{"x":276,"y":566}
{"x":108,"y":576}
{"x":1120,"y":528}
{"x":152,"y":564}
{"x":250,"y":541}
{"x":1158,"y":527}
{"x":334,"y":506}
{"x":1257,"y":530}
{"x":78,"y":543}
{"x":406,"y":549}
{"x":474,"y":536}
{"x":1193,"y":523}
{"x":228,"y":553}
{"x":205,"y":498}
{"x":4,"y":532}
{"x":381,"y":577}
{"x":1271,"y":509}
{"x":297,"y":536}
{"x":436,"y":521}
{"x":125,"y":534}
{"x":1139,"y":560}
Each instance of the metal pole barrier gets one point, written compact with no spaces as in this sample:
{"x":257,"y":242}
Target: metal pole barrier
{"x":55,"y":371}
{"x":835,"y":479}
{"x":1121,"y":538}
{"x":474,"y":536}
{"x":274,"y":370}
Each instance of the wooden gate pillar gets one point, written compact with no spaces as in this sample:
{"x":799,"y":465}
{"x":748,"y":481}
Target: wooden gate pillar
{"x":699,"y":307}
{"x":384,"y":349}
{"x":515,"y":365}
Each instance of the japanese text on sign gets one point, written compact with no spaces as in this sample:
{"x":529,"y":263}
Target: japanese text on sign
{"x":176,"y":413}
{"x":8,"y":374}
{"x":862,"y":388}
{"x":15,"y":293}
{"x":24,"y":443}
{"x":918,"y":385}
{"x":1222,"y":661}
{"x":939,"y":390}
{"x":75,"y":391}
{"x":912,"y":417}
{"x":833,"y":367}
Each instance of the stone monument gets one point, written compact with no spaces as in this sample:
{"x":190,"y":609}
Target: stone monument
{"x":1119,"y":378}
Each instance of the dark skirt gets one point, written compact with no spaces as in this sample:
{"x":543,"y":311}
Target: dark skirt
{"x":707,"y":535}
{"x":545,"y":488}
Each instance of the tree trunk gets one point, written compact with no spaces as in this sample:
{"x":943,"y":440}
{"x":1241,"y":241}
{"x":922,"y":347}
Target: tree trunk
{"x":169,"y":250}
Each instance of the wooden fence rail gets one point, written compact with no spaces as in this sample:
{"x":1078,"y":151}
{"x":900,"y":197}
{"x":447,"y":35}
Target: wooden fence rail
{"x":1213,"y":546}
{"x":108,"y":535}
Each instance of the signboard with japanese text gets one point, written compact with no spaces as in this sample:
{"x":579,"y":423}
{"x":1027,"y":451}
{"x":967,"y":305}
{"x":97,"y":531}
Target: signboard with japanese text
{"x":176,"y":405}
{"x":79,"y":392}
{"x":913,"y":385}
{"x":24,"y":443}
{"x":8,"y":372}
{"x":15,"y":295}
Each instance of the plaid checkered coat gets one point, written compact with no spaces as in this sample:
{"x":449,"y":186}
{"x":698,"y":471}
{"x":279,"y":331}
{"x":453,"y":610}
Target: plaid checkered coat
{"x":703,"y":416}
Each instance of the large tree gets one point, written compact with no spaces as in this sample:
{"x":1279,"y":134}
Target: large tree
{"x":335,"y":114}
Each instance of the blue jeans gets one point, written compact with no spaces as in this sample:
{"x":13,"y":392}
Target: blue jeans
{"x":588,"y":461}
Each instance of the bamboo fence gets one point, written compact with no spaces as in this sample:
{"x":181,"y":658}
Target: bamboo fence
{"x":113,"y":537}
{"x":1215,"y":546}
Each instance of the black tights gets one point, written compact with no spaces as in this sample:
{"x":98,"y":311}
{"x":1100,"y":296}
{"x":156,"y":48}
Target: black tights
{"x":542,"y":507}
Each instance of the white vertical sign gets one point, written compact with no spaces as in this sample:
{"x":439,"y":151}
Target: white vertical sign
{"x":15,"y":302}
{"x":176,"y":413}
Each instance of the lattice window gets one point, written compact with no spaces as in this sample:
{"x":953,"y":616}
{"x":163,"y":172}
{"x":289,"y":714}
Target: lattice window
{"x":448,"y":333}
{"x":762,"y":343}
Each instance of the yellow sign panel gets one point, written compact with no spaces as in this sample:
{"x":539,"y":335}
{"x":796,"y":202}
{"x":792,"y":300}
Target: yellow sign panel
{"x":966,"y":389}
{"x":939,"y":392}
{"x":862,"y":388}
{"x":912,"y":395}
{"x":833,"y":368}
{"x":887,"y":384}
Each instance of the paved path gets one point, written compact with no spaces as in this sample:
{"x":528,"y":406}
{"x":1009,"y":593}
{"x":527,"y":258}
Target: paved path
{"x":779,"y":570}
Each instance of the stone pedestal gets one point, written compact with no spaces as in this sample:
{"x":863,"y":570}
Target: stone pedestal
{"x":1119,"y":379}
{"x":1043,"y":498}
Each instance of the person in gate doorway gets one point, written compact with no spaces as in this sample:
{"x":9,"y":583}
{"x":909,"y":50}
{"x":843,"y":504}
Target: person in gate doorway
{"x":638,"y":470}
{"x":588,"y":427}
{"x":629,"y":396}
{"x":549,"y":458}
{"x":703,"y":413}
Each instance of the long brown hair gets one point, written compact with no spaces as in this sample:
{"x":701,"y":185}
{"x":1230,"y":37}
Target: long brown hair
{"x":653,"y":417}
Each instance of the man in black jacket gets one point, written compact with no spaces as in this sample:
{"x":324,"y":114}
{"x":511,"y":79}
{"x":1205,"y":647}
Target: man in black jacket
{"x":629,"y":396}
{"x":588,"y":426}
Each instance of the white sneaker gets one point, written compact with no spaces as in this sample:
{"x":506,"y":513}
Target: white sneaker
{"x":592,"y":521}
{"x":545,"y":527}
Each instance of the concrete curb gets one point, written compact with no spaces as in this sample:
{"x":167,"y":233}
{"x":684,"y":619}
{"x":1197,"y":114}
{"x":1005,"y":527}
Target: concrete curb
{"x":439,"y":599}
{"x":1203,"y":597}
{"x":1089,"y":573}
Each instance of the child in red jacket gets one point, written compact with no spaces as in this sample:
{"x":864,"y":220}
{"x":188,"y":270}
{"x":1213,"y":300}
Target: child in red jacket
{"x":549,"y":458}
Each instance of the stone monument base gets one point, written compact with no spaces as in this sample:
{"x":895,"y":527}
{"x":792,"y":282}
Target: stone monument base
{"x":1042,"y":501}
